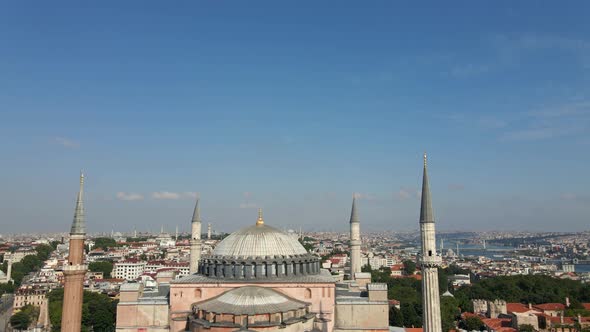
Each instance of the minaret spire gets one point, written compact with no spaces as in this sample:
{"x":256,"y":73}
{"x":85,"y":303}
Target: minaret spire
{"x":355,"y":240}
{"x":197,"y":212}
{"x":195,"y":239}
{"x":353,"y":214}
{"x":260,"y":220}
{"x":426,"y":214}
{"x":429,"y":261}
{"x":79,"y":223}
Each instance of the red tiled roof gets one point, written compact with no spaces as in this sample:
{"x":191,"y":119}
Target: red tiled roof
{"x":517,"y":307}
{"x":416,"y":276}
{"x":413,"y":329}
{"x":499,"y":324}
{"x":586,"y":306}
{"x":549,"y":306}
{"x":557,"y":320}
{"x":469,"y":314}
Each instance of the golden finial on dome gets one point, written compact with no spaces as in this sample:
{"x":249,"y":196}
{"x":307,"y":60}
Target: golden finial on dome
{"x":260,"y":221}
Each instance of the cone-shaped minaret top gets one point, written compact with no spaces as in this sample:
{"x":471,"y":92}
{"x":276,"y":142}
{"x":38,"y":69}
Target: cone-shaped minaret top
{"x":260,"y":221}
{"x":426,"y":214}
{"x":353,"y":214}
{"x":355,"y":240}
{"x":197,"y":212}
{"x":79,"y":224}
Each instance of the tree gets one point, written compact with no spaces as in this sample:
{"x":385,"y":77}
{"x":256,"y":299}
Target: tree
{"x":409,"y":267}
{"x":98,"y":311}
{"x":44,"y":251}
{"x":526,"y":289}
{"x":472,"y":323}
{"x":449,"y":311}
{"x":6,"y":288}
{"x":396,"y":318}
{"x":526,"y":328}
{"x":20,"y":321}
{"x":105,"y":267}
{"x":411,"y":316}
{"x":366,"y":268}
{"x":306,"y":245}
{"x":4,"y":267}
{"x":104,"y":242}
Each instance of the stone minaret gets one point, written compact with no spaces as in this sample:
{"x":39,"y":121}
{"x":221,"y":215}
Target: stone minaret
{"x":74,"y":271}
{"x":9,"y":270}
{"x":209,"y":231}
{"x":196,"y":239}
{"x":430,"y":261}
{"x":355,"y":240}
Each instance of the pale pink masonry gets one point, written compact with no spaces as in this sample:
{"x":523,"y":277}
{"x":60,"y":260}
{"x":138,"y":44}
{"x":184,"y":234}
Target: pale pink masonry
{"x":75,"y":270}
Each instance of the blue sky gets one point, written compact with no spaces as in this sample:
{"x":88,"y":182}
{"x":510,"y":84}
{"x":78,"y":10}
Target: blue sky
{"x":292,"y":107}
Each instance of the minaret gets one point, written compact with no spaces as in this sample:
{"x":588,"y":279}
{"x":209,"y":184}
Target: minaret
{"x":74,"y":271}
{"x":430,"y":261}
{"x":209,"y":231}
{"x":195,"y":239}
{"x":9,"y":270}
{"x":355,"y":240}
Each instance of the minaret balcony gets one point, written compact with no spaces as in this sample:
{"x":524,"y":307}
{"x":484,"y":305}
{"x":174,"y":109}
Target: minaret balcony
{"x":75,"y":268}
{"x":431,"y":261}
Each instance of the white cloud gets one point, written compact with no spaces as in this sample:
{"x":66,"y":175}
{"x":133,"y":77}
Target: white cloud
{"x":569,"y":196}
{"x":123,"y":196}
{"x":247,"y":205}
{"x":403,"y":194}
{"x":191,"y":194}
{"x":365,"y":196}
{"x":165,"y":195}
{"x":456,"y":187}
{"x":68,"y":143}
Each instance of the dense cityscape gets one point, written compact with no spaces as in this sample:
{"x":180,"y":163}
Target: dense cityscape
{"x":492,"y":281}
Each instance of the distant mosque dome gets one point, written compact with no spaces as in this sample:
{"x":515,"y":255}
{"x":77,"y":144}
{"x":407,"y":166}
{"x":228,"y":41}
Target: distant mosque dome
{"x":448,"y":294}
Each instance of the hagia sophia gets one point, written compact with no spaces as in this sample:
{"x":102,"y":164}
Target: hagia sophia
{"x":259,"y":278}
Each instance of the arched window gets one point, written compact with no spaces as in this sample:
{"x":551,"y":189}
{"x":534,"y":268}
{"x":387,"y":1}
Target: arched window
{"x":198,"y":293}
{"x":308,"y":293}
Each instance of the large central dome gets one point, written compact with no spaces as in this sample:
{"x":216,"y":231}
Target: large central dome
{"x":259,"y":240}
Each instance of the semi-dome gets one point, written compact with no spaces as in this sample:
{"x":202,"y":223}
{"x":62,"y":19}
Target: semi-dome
{"x":250,"y":300}
{"x":259,"y":240}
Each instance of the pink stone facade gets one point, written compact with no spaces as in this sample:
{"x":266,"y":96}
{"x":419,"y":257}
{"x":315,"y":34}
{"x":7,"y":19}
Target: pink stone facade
{"x":183,"y":296}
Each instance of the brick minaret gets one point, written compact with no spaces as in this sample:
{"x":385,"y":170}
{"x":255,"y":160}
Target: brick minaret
{"x":430,"y":261}
{"x":355,"y":240}
{"x":74,"y":271}
{"x":195,"y":239}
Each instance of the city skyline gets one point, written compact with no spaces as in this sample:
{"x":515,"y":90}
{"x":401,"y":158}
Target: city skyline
{"x":293,"y":109}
